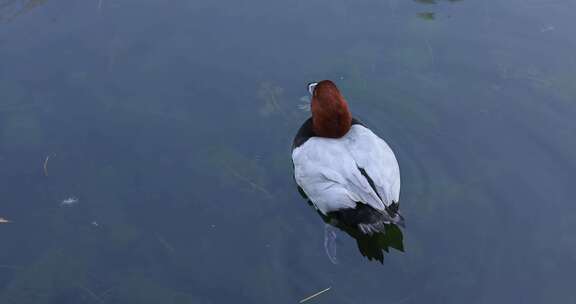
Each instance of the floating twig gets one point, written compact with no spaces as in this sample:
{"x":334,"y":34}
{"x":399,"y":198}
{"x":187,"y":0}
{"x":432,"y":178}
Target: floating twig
{"x":46,"y":165}
{"x":254,"y":185}
{"x":314,"y":295}
{"x":430,"y":51}
{"x":164,"y":243}
{"x":105,"y":294}
{"x":90,"y":292}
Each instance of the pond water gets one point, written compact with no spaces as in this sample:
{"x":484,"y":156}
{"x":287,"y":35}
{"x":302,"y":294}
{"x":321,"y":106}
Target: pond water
{"x":171,"y":123}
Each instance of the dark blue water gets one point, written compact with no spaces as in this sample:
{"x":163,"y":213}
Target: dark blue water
{"x":171,"y":123}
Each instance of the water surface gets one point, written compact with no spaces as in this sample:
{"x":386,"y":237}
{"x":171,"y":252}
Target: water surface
{"x":171,"y":122}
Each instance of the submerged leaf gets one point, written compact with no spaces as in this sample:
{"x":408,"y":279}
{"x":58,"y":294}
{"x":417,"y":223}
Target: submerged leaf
{"x":428,"y":16}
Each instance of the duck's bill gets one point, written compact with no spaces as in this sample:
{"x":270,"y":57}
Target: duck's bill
{"x":311,"y":87}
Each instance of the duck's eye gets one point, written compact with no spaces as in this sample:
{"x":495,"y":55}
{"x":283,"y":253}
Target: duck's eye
{"x":311,"y":87}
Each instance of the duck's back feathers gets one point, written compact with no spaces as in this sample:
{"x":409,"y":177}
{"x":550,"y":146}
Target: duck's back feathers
{"x":338,"y":173}
{"x":373,"y":155}
{"x":327,"y":173}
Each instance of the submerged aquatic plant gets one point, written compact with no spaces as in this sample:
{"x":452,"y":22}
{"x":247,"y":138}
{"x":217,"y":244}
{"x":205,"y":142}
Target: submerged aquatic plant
{"x":10,"y":9}
{"x":269,"y":94}
{"x":237,"y":167}
{"x":427,"y":15}
{"x":430,"y":15}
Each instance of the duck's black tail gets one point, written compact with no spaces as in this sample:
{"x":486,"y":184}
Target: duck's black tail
{"x":367,"y":219}
{"x":380,"y":224}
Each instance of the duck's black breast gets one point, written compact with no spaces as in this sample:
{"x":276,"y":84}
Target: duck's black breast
{"x":306,"y":132}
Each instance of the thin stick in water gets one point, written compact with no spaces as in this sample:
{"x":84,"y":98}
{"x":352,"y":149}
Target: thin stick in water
{"x":314,"y":295}
{"x":430,"y":51}
{"x":251,"y":183}
{"x":46,"y":165}
{"x":90,"y":292}
{"x":164,"y":243}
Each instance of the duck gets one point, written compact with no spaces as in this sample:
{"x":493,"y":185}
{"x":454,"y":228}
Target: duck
{"x":343,"y":168}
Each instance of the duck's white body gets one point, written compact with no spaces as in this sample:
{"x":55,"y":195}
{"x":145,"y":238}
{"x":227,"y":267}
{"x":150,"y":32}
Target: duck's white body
{"x":329,"y":171}
{"x":339,"y":174}
{"x":348,"y":172}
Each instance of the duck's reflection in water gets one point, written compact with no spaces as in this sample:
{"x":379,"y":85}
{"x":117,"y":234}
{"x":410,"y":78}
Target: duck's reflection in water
{"x":372,"y":246}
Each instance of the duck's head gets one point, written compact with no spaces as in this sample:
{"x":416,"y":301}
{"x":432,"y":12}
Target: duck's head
{"x":330,"y":114}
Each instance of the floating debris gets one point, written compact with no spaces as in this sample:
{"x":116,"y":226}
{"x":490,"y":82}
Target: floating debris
{"x":95,"y":224}
{"x":4,"y":221}
{"x":69,"y":202}
{"x":46,"y":165}
{"x":305,"y":105}
{"x":314,"y":295}
{"x":254,"y":185}
{"x":430,"y":51}
{"x":91,"y":293}
{"x":164,"y":243}
{"x":547,"y":28}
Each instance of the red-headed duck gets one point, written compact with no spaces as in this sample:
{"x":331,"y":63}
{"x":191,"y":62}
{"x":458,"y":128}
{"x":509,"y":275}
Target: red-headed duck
{"x":346,"y":171}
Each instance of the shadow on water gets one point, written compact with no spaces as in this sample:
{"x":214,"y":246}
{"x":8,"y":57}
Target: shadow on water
{"x":373,"y":246}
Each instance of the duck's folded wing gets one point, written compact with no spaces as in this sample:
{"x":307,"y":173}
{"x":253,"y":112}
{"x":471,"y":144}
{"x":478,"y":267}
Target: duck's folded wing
{"x":373,"y":155}
{"x":327,"y":173}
